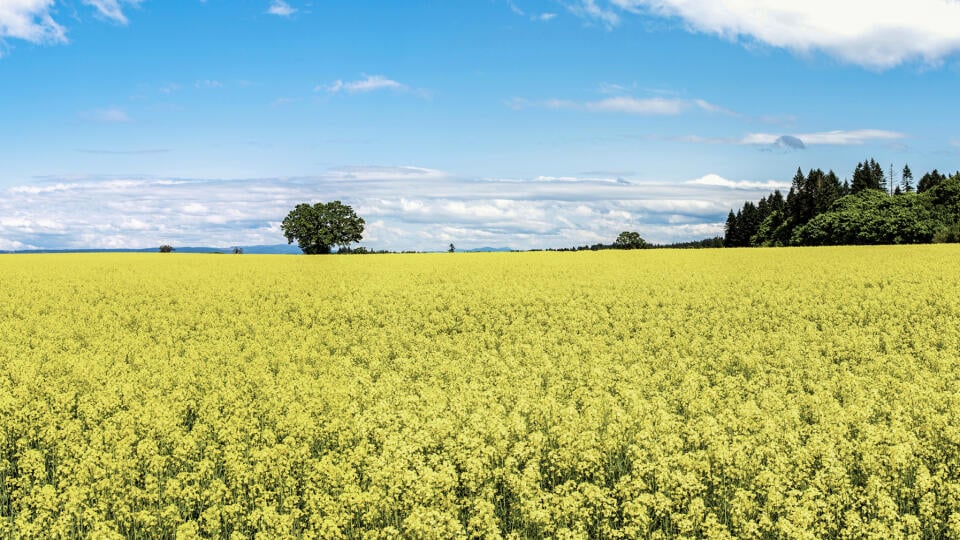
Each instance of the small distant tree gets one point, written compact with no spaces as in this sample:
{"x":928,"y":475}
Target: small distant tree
{"x":451,"y":249}
{"x":319,"y":227}
{"x":238,"y":251}
{"x":166,"y":248}
{"x":629,"y":240}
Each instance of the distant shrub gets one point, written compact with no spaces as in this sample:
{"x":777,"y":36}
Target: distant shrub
{"x":166,"y":248}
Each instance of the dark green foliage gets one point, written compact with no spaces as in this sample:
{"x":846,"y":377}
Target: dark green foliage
{"x":871,"y":217}
{"x":906,"y":181}
{"x":452,"y":248}
{"x":930,"y":180}
{"x":867,"y":175}
{"x":166,"y":248}
{"x":948,"y":234}
{"x":715,"y":242}
{"x":319,"y":227}
{"x":629,"y":240}
{"x":819,"y":210}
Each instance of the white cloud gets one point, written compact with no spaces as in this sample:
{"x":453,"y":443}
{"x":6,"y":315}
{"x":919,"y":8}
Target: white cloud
{"x":716,"y":180}
{"x":836,"y":137}
{"x":112,"y":9}
{"x":30,"y":20}
{"x":651,"y":106}
{"x":281,"y":8}
{"x":713,"y":108}
{"x":369,"y":83}
{"x":545,"y":17}
{"x":33,"y":20}
{"x":592,"y":10}
{"x":629,"y":105}
{"x":407,"y":207}
{"x":870,"y":33}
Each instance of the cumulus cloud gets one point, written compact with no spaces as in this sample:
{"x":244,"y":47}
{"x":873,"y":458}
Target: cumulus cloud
{"x":30,"y":20}
{"x":406,"y":207}
{"x":868,"y":33}
{"x":281,"y":8}
{"x":33,"y":20}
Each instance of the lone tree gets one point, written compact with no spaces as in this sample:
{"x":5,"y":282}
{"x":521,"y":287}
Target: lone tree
{"x":319,"y":227}
{"x":629,"y":240}
{"x":166,"y":248}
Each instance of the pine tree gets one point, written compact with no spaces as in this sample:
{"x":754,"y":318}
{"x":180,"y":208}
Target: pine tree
{"x":930,"y":180}
{"x":730,"y":231}
{"x":906,"y":180}
{"x":861,"y":178}
{"x":876,"y":176}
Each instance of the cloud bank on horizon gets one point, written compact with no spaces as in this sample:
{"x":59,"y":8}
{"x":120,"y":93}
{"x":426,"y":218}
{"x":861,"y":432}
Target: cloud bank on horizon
{"x":405,"y":208}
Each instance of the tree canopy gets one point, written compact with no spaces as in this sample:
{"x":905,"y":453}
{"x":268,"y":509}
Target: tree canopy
{"x":629,"y":240}
{"x":819,"y":210}
{"x":320,"y":227}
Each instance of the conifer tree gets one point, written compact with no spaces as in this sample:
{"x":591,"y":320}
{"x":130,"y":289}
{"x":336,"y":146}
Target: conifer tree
{"x":906,"y":179}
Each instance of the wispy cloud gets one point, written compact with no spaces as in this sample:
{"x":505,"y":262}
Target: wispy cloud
{"x":876,"y":35}
{"x":369,"y":83}
{"x":629,"y":105}
{"x":716,"y":180}
{"x":280,"y":102}
{"x":281,"y":9}
{"x":800,"y":141}
{"x":208,"y":83}
{"x":836,"y":137}
{"x":650,"y":106}
{"x":112,"y":9}
{"x":594,"y":10}
{"x":406,"y":207}
{"x":541,"y":17}
{"x":112,"y":152}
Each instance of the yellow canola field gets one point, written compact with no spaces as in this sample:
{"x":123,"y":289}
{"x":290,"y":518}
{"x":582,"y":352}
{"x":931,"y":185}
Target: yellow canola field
{"x":786,"y":393}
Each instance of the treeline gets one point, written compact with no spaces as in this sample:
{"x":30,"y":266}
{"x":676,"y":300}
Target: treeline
{"x":871,"y":209}
{"x":715,"y":242}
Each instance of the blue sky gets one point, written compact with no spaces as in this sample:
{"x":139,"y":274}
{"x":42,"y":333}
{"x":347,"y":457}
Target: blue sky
{"x":517,"y":123}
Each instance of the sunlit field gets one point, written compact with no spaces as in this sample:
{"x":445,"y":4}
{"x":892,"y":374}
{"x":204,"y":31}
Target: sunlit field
{"x":788,"y":393}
